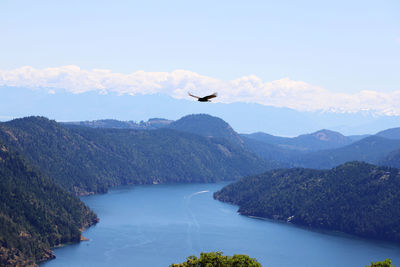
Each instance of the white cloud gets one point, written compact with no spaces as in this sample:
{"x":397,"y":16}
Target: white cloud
{"x":297,"y":95}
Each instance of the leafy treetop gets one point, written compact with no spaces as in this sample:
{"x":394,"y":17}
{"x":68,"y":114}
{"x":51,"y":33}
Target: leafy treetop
{"x":218,"y":260}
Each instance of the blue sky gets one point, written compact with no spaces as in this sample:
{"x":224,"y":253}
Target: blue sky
{"x":310,"y":56}
{"x":344,"y":46}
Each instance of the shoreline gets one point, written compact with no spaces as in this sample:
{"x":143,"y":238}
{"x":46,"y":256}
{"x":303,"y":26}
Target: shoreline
{"x":51,"y":254}
{"x":332,"y":232}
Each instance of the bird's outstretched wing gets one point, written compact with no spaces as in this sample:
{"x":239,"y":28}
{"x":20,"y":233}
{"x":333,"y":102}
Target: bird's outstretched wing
{"x":193,"y":96}
{"x":211,"y":96}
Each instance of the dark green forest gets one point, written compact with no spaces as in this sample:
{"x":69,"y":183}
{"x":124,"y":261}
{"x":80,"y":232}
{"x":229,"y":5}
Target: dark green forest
{"x":86,"y":160}
{"x":355,"y":198}
{"x":35,"y":213}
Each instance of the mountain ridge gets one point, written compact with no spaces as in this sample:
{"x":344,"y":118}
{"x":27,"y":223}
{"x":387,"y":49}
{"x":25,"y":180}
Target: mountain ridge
{"x":86,"y":160}
{"x":371,"y":149}
{"x":319,"y":140}
{"x":307,"y":150}
{"x":392,"y":133}
{"x":151,"y":124}
{"x":244,"y":118}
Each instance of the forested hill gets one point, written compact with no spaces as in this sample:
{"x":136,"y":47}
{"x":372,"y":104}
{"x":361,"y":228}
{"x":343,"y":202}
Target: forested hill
{"x":213,"y":127}
{"x":86,"y":160}
{"x":35,"y":213}
{"x":356,"y":198}
{"x":208,"y":126}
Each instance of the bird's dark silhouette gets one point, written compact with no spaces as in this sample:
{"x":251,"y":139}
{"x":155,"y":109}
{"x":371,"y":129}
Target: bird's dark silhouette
{"x":204,"y":98}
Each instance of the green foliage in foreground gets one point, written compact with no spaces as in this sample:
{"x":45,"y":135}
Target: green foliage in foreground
{"x":385,"y":263}
{"x":35,"y":213}
{"x":216,"y":259}
{"x":356,"y":198}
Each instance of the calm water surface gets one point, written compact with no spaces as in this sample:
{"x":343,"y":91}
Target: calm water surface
{"x":156,"y":225}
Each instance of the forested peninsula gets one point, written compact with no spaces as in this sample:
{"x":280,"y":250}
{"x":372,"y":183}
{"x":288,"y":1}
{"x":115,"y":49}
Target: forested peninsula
{"x":355,"y":198}
{"x":36,"y":214}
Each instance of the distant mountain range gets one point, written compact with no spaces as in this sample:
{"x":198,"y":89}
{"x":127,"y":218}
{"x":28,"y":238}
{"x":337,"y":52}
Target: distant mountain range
{"x":321,"y":150}
{"x":243,"y":117}
{"x":323,"y":139}
{"x":393,"y":133}
{"x":151,"y":124}
{"x":333,"y":149}
{"x":373,"y":149}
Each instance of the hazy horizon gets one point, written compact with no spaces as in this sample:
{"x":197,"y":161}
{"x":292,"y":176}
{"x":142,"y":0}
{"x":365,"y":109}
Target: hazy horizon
{"x":243,"y":117}
{"x":340,"y":58}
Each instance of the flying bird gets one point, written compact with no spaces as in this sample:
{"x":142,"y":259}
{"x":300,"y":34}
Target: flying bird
{"x":205,"y":98}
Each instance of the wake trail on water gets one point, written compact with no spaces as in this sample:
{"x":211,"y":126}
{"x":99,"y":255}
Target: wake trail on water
{"x":200,"y":192}
{"x":193,"y":220}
